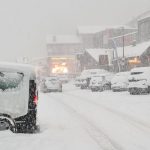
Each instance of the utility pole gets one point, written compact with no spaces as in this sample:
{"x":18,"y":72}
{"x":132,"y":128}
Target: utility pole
{"x":123,"y":43}
{"x":123,"y":40}
{"x":116,"y":53}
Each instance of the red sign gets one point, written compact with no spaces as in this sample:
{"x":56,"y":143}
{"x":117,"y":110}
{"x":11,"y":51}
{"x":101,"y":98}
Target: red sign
{"x":103,"y":60}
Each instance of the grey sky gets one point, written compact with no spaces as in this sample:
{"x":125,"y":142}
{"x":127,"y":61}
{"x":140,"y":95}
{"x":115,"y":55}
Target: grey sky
{"x":25,"y":23}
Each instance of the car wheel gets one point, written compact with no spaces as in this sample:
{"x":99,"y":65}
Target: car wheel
{"x":82,"y":87}
{"x":114,"y":90}
{"x":148,"y":90}
{"x":106,"y":87}
{"x":135,"y":91}
{"x":101,"y":89}
{"x":92,"y":90}
{"x":131,"y":91}
{"x":6,"y":122}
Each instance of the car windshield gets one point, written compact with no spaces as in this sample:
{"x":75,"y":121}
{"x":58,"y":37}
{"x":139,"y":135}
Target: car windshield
{"x":97,"y":79}
{"x":9,"y":80}
{"x":120,"y":78}
{"x":136,"y":73}
{"x":52,"y":80}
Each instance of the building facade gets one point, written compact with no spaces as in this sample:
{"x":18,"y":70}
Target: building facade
{"x":62,"y":51}
{"x":144,"y":29}
{"x":100,"y":37}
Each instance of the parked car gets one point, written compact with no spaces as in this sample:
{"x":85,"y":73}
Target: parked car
{"x":139,"y":80}
{"x":100,"y":83}
{"x":51,"y":84}
{"x":18,"y":98}
{"x":77,"y":81}
{"x":86,"y":76}
{"x":84,"y":82}
{"x":120,"y":82}
{"x":93,"y":72}
{"x":64,"y":78}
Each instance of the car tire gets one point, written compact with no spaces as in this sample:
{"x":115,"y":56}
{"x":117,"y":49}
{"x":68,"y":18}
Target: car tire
{"x":133,"y":92}
{"x":106,"y":87}
{"x":82,"y":87}
{"x":114,"y":90}
{"x":92,"y":90}
{"x":148,"y":90}
{"x":101,"y":89}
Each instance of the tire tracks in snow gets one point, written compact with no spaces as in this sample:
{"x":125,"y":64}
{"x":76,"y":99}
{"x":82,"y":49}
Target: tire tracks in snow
{"x":100,"y":138}
{"x":141,"y":125}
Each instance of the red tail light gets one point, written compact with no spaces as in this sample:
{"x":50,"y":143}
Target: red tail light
{"x":35,"y":99}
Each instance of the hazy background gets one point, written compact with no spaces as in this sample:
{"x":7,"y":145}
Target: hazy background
{"x":24,"y":24}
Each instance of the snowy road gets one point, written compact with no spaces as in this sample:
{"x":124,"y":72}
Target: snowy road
{"x":82,"y":120}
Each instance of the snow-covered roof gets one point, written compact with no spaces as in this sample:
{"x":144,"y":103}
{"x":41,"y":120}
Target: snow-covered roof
{"x":95,"y":53}
{"x":90,"y":29}
{"x":144,"y":15}
{"x":148,"y":16}
{"x":96,"y":29}
{"x":140,"y":69}
{"x":63,"y":39}
{"x":132,"y":51}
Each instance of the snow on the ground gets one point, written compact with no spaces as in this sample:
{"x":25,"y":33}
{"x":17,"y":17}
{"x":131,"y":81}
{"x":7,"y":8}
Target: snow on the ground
{"x":83,"y":120}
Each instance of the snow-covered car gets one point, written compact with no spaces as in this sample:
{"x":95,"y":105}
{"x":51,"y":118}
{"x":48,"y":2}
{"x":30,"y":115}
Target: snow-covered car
{"x":86,"y":76}
{"x":51,"y":84}
{"x":18,"y":98}
{"x":63,"y":78}
{"x":77,"y":82}
{"x":84,"y":82}
{"x":139,"y":80}
{"x":100,"y":83}
{"x":120,"y":82}
{"x":93,"y":72}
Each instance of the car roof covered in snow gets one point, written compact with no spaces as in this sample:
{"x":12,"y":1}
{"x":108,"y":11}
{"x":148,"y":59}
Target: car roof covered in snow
{"x":122,"y":73}
{"x":16,"y":67}
{"x":94,"y":71}
{"x":143,"y":69}
{"x":51,"y":77}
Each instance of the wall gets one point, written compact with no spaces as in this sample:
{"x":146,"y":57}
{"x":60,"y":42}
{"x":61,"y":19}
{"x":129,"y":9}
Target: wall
{"x":144,"y":30}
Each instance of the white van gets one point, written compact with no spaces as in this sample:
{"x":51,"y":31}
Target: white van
{"x":18,"y":98}
{"x":139,"y":80}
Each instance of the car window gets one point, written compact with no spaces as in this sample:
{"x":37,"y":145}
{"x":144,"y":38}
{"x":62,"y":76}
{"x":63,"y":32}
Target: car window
{"x":97,"y":79}
{"x":9,"y":80}
{"x":135,"y":73}
{"x":52,"y":79}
